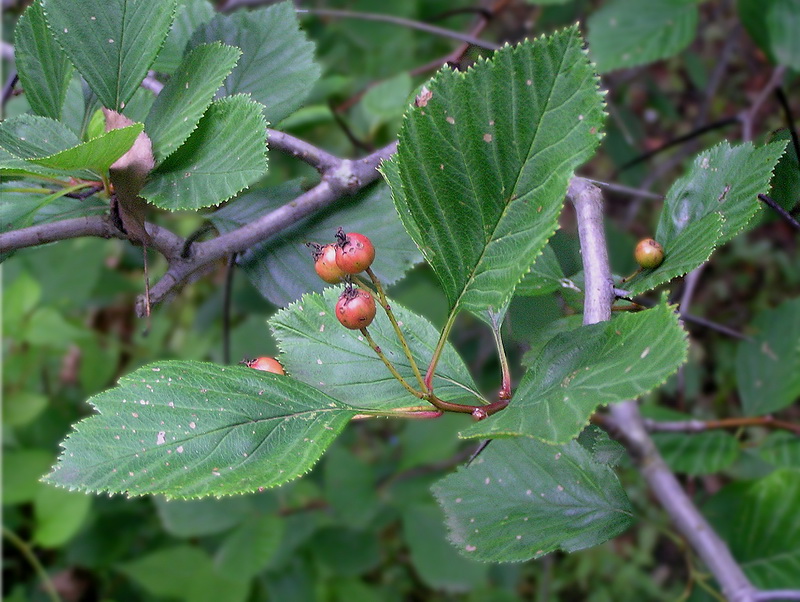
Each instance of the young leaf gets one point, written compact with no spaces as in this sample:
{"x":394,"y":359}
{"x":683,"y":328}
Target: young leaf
{"x":582,"y":369}
{"x":281,"y":268}
{"x":190,"y":15}
{"x":224,"y":155}
{"x":626,"y":33}
{"x":182,"y":102}
{"x":318,"y":350}
{"x":759,"y":522}
{"x":484,"y":165}
{"x":768,"y":367}
{"x":277,"y":68}
{"x":190,"y":429}
{"x":725,"y":180}
{"x":545,"y":276}
{"x":523,"y":498}
{"x":97,"y":155}
{"x":112,"y":43}
{"x":44,"y":70}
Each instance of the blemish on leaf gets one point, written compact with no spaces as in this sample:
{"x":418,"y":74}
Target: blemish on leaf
{"x":645,"y":352}
{"x":161,"y":438}
{"x":179,"y":449}
{"x":487,"y":137}
{"x":450,"y":120}
{"x":470,"y":548}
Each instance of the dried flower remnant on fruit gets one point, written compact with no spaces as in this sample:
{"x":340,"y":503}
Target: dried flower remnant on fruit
{"x":355,"y":309}
{"x":325,"y":263}
{"x":649,"y":254}
{"x":354,"y":252}
{"x":265,"y":364}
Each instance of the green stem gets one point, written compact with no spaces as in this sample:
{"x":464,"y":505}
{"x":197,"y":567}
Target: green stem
{"x":26,"y":551}
{"x":505,"y":387}
{"x":438,"y":351}
{"x":387,"y":308}
{"x":390,"y":366}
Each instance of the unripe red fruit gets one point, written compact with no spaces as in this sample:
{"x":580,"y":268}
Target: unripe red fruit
{"x":648,"y":253}
{"x":266,"y":364}
{"x":354,"y":252}
{"x":355,"y":309}
{"x":325,"y":265}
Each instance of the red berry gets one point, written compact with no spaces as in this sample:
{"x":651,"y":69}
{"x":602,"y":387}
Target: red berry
{"x":267,"y":364}
{"x":354,"y":252}
{"x":325,"y":264}
{"x":355,"y":309}
{"x":648,"y":253}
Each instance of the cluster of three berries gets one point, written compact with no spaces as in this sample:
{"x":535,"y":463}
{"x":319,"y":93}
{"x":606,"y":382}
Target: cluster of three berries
{"x":352,"y":253}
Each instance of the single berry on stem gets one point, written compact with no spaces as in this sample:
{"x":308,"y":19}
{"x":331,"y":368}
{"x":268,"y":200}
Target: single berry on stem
{"x":266,"y":364}
{"x":325,"y":263}
{"x":354,"y":252}
{"x":649,"y":254}
{"x":355,"y":309}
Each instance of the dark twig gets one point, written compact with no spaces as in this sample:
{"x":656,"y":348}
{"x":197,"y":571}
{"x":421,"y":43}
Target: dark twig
{"x":432,"y":29}
{"x":8,"y":87}
{"x":716,"y":125}
{"x":701,"y":426}
{"x":86,"y":193}
{"x":780,"y":211}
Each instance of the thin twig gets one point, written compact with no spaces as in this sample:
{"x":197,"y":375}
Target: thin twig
{"x":749,"y":115}
{"x":8,"y":87}
{"x":788,"y":217}
{"x":701,"y":426}
{"x":432,"y":29}
{"x":778,"y":594}
{"x":26,"y":551}
{"x":630,"y":429}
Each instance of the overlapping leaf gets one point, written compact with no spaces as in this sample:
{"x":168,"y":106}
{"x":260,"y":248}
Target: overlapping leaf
{"x":523,"y":498}
{"x":190,"y":429}
{"x":189,"y":15}
{"x":625,"y":33}
{"x":758,"y":520}
{"x":768,"y":367}
{"x":774,"y":26}
{"x":282,"y":269}
{"x":277,"y":67}
{"x":545,"y":276}
{"x":224,"y":155}
{"x":44,"y":70}
{"x":112,"y":43}
{"x":483,"y":163}
{"x":723,"y":180}
{"x":182,"y":102}
{"x":320,"y":351}
{"x":582,"y":369}
{"x":96,"y":155}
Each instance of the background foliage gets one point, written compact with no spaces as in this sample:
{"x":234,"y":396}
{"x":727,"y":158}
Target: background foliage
{"x":364,"y":525}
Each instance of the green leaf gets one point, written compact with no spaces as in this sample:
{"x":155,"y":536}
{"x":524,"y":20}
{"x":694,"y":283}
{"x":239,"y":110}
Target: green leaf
{"x":277,"y":68}
{"x":112,"y":43}
{"x":191,"y":429}
{"x":434,"y":559}
{"x":198,"y":518}
{"x":318,"y":350}
{"x":687,"y":250}
{"x":768,"y":367}
{"x":482,"y":168}
{"x":281,"y":268}
{"x":773,"y":26}
{"x":626,"y":33}
{"x":96,"y":155}
{"x":248,"y":549}
{"x":545,"y":276}
{"x":701,"y":453}
{"x":759,"y":522}
{"x":182,"y":102}
{"x":30,"y":136}
{"x":224,"y":155}
{"x":582,"y":369}
{"x":44,"y":70}
{"x":190,"y":15}
{"x":59,"y":515}
{"x":350,"y":488}
{"x":522,"y":498}
{"x":346,"y":552}
{"x":22,"y":469}
{"x":781,"y":450}
{"x":22,"y":407}
{"x":785,"y":185}
{"x":183,"y":573}
{"x":725,"y":180}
